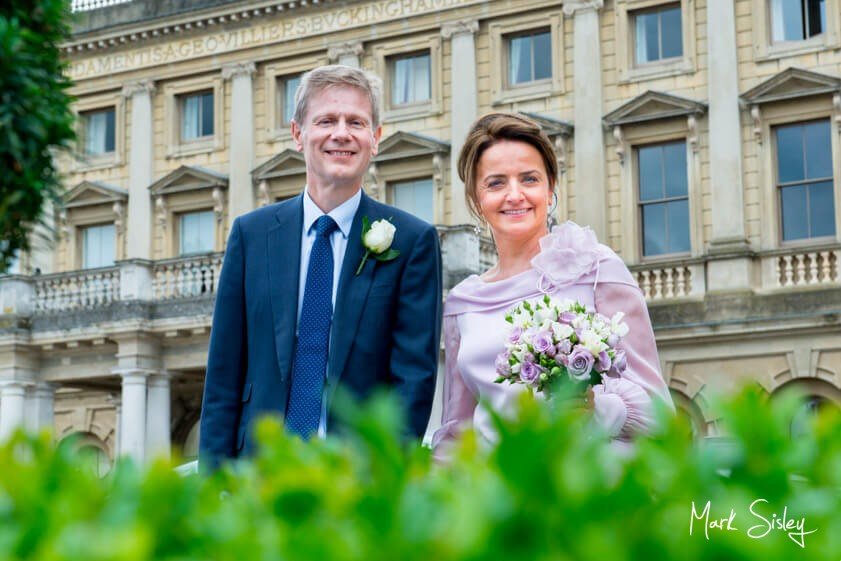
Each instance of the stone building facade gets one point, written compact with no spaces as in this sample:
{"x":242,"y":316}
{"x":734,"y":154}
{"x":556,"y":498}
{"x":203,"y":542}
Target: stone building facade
{"x":698,"y":138}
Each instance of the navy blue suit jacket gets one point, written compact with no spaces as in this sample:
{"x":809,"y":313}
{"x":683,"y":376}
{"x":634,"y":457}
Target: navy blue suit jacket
{"x":385,"y":330}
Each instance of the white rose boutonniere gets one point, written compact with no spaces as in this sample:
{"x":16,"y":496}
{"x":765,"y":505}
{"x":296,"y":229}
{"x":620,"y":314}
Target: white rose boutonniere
{"x":376,"y":239}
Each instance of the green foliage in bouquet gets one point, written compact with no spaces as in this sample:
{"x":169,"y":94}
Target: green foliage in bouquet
{"x":551,"y":490}
{"x":35,"y":115}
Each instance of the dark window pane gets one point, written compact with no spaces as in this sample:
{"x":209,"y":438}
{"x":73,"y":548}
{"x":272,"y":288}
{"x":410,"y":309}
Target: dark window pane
{"x":670,"y":29}
{"x":652,"y":40}
{"x":815,"y":14}
{"x":207,"y":114}
{"x":821,"y":210}
{"x":542,"y":56}
{"x":818,"y":150}
{"x":678,"y":221}
{"x":290,"y":86}
{"x":795,"y":219}
{"x":109,"y":130}
{"x":651,"y":173}
{"x":654,"y":229}
{"x":790,"y":165}
{"x":674,"y":156}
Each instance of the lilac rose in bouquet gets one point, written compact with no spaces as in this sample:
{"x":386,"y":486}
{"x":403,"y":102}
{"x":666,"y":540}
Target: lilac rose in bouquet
{"x":552,"y":341}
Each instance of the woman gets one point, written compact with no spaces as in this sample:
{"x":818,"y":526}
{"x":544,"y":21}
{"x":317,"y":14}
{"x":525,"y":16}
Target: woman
{"x":509,"y":170}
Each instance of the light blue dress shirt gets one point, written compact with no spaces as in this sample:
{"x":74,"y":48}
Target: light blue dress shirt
{"x":343,"y":216}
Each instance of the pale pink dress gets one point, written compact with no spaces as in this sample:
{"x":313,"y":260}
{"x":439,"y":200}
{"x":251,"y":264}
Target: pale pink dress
{"x":571,"y":264}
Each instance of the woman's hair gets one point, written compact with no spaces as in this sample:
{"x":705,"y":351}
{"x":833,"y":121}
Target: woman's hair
{"x":493,"y":128}
{"x":324,"y":77}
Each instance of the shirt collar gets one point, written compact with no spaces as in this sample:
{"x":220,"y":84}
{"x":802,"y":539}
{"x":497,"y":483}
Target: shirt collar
{"x":342,"y":214}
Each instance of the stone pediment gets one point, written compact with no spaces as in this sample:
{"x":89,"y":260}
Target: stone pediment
{"x":88,"y":193}
{"x":652,"y":106}
{"x":792,"y":83}
{"x":188,"y":178}
{"x":550,"y":125}
{"x":289,"y":162}
{"x":401,"y":145}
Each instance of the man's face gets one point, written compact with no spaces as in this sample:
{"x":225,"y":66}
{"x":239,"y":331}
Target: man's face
{"x":337,"y":137}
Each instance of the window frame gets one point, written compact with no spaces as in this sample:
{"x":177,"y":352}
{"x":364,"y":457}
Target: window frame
{"x":640,"y":205}
{"x":500,"y":33}
{"x":82,"y":230}
{"x":628,"y":71}
{"x":387,"y":51}
{"x":182,"y":102}
{"x":659,"y":8}
{"x":275,"y":130}
{"x":179,"y":225}
{"x":391,"y":185}
{"x":391,"y":62}
{"x":508,"y":38}
{"x":81,"y":161}
{"x":766,"y":49}
{"x":84,"y":116}
{"x":176,"y":147}
{"x":778,"y":204}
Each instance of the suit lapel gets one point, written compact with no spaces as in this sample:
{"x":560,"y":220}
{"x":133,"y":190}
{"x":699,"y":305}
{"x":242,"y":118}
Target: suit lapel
{"x":283,"y":254}
{"x":351,"y":295}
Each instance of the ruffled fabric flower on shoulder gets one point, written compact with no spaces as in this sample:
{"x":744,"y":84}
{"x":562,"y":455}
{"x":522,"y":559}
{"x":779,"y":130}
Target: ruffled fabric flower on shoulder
{"x":568,"y":253}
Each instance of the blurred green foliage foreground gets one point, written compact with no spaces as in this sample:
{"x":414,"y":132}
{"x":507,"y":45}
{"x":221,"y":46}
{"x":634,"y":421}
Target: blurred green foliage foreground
{"x":551,"y":490}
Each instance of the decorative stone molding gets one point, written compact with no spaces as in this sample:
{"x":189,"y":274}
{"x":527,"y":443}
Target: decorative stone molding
{"x":560,"y":132}
{"x":572,"y":7}
{"x":791,"y":83}
{"x":119,"y":217}
{"x":142,"y":86}
{"x":372,"y":181}
{"x":161,"y":211}
{"x":438,"y":172}
{"x":457,"y":27}
{"x":756,"y":117}
{"x":836,"y":105}
{"x":218,"y":203}
{"x":653,"y":106}
{"x":234,"y":69}
{"x":348,"y":48}
{"x":263,"y":198}
{"x":620,"y":144}
{"x":692,"y":137}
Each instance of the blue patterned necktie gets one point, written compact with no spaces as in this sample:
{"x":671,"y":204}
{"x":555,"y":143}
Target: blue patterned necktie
{"x":310,"y":364}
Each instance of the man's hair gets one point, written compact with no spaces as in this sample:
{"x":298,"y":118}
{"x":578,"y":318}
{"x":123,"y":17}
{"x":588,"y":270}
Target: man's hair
{"x":325,"y":77}
{"x":493,"y":128}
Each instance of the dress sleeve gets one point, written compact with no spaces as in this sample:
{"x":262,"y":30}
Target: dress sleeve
{"x":458,"y":402}
{"x":624,"y":405}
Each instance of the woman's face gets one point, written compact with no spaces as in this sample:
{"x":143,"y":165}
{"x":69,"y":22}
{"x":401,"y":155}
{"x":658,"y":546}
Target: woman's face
{"x":513,"y":190}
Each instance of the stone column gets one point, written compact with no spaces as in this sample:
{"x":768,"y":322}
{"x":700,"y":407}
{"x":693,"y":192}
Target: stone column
{"x":158,"y":416}
{"x":347,"y":53}
{"x":40,"y":410}
{"x":589,"y":187}
{"x":141,"y":170}
{"x":730,"y":268}
{"x":133,"y":417}
{"x":463,"y":105}
{"x":241,"y":191}
{"x":12,"y":397}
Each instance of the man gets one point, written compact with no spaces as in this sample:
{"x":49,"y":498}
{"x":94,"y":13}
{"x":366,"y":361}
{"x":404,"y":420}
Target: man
{"x":296,"y":283}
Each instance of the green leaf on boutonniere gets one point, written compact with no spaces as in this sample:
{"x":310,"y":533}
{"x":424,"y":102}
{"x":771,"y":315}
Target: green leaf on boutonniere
{"x":387,"y":255}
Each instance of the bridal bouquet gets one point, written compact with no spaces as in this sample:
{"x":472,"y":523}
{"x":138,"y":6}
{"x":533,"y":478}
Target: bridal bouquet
{"x":551,"y":341}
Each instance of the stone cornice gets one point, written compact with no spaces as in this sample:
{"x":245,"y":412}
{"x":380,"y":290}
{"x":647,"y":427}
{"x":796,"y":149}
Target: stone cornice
{"x":174,"y":26}
{"x":235,"y":69}
{"x":458,"y":27}
{"x":571,"y":7}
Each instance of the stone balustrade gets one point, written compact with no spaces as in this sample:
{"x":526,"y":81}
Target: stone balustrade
{"x":799,"y":268}
{"x":665,"y":281}
{"x":186,"y":277}
{"x":76,"y":290}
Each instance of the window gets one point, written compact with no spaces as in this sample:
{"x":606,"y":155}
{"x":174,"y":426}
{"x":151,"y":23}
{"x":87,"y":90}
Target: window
{"x":664,"y":198}
{"x":98,"y":247}
{"x":286,"y":88}
{"x":414,"y":197}
{"x":529,"y":58}
{"x":796,"y":20}
{"x":98,"y":131}
{"x":196,"y":116}
{"x":804,"y":180}
{"x":410,"y":79}
{"x":658,"y":34}
{"x":197,"y":232}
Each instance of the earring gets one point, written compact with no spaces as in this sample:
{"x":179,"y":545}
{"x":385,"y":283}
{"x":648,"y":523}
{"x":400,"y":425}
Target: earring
{"x":480,"y":227}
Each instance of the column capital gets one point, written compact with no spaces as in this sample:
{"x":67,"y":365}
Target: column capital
{"x":451,"y":28}
{"x":142,"y":86}
{"x":572,"y":7}
{"x":348,"y":48}
{"x":234,"y":69}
